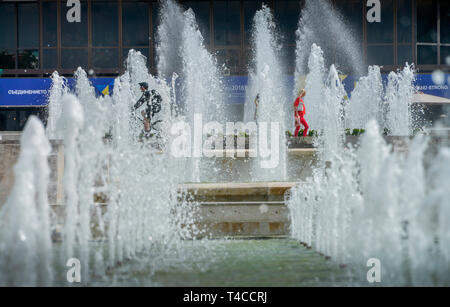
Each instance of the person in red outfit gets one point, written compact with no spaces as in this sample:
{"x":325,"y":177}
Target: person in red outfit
{"x":299,"y":114}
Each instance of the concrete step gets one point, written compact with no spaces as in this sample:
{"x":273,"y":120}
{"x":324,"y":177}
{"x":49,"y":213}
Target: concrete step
{"x":239,"y":209}
{"x":234,"y":192}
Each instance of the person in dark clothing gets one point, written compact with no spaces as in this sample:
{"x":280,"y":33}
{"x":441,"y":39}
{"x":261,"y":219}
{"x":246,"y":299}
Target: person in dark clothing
{"x":153,"y":101}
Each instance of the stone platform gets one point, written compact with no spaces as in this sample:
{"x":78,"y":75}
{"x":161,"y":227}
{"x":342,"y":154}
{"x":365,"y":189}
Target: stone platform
{"x":239,"y":209}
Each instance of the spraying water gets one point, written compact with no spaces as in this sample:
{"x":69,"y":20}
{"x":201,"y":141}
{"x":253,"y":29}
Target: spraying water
{"x":399,"y":94}
{"x":322,"y":25}
{"x":169,"y":38}
{"x":25,"y":243}
{"x":266,"y":80}
{"x":375,"y":203}
{"x":57,"y":90}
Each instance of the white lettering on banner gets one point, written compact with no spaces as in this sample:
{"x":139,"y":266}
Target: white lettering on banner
{"x":27,"y":92}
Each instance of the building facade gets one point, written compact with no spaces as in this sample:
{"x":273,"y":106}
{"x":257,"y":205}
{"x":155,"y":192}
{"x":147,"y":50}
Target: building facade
{"x":39,"y":37}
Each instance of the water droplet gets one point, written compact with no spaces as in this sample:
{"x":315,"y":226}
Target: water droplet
{"x":438,"y":77}
{"x":22,"y":236}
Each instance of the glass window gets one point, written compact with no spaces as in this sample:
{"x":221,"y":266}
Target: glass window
{"x":250,"y":8}
{"x":105,"y":57}
{"x":74,"y":34}
{"x":49,"y":24}
{"x":227,"y":26}
{"x":28,"y":25}
{"x":404,"y":17}
{"x":445,"y":55}
{"x":7,"y":59}
{"x":426,"y":21}
{"x":426,"y":55}
{"x":72,"y":58}
{"x":104,"y":24}
{"x":7,"y":26}
{"x":50,"y":58}
{"x":135,"y":21}
{"x":28,"y":59}
{"x":201,"y":11}
{"x":404,"y":54}
{"x":229,"y":58}
{"x":155,"y":19}
{"x":382,"y":32}
{"x":445,"y":21}
{"x":352,"y":14}
{"x":287,"y":14}
{"x":380,"y":55}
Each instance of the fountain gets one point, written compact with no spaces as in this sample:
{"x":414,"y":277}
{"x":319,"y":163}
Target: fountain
{"x":266,"y":80}
{"x":25,"y":244}
{"x":374,"y":203}
{"x":322,"y":25}
{"x":129,"y":217}
{"x":59,"y":87}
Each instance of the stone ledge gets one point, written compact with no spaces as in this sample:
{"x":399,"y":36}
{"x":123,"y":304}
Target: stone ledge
{"x":234,"y":192}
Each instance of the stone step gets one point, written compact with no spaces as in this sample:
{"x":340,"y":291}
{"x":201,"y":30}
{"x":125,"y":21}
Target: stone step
{"x":234,"y":192}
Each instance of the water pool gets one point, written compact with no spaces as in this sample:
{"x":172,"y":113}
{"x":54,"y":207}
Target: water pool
{"x":227,"y":263}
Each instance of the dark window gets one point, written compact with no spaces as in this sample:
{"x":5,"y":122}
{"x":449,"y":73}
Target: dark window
{"x":135,"y":24}
{"x":50,"y":58}
{"x":380,"y":55}
{"x":404,"y":54}
{"x":155,"y":22}
{"x":201,"y":11}
{"x":445,"y":55}
{"x":28,"y":25}
{"x":426,"y":21}
{"x":49,"y":20}
{"x":104,"y":24}
{"x":250,"y":8}
{"x":14,"y":119}
{"x":287,"y":14}
{"x":73,"y":58}
{"x":7,"y":59}
{"x":74,"y":34}
{"x":21,"y":20}
{"x":426,"y":55}
{"x":229,"y":58}
{"x":404,"y":21}
{"x":227,"y":23}
{"x":105,"y":58}
{"x":7,"y":26}
{"x":28,"y":59}
{"x":445,"y":21}
{"x":351,"y":11}
{"x":382,"y":32}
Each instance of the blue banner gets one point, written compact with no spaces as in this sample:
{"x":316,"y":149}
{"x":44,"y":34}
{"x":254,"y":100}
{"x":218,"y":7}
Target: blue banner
{"x":35,"y":91}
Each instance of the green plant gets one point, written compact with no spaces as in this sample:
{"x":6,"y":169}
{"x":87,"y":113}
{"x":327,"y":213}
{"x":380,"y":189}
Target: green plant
{"x":355,"y":132}
{"x":313,"y":133}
